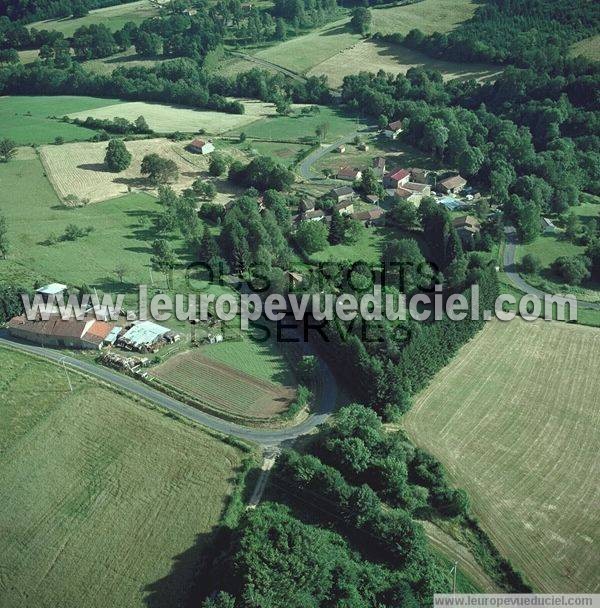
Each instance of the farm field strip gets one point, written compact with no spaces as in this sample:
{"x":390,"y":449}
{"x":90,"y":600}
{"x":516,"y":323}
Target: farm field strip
{"x":103,"y":502}
{"x":222,"y":388}
{"x":396,"y":59}
{"x":164,"y":118}
{"x":515,"y":419}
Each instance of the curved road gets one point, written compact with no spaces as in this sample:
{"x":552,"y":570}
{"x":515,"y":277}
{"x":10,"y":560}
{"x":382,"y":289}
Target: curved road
{"x":510,"y":268}
{"x":263,"y":437}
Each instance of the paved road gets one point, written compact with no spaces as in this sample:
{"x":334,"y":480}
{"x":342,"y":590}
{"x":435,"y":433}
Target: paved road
{"x":510,"y":268}
{"x":265,"y":437}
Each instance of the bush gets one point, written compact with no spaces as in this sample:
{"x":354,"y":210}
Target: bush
{"x":531,"y":264}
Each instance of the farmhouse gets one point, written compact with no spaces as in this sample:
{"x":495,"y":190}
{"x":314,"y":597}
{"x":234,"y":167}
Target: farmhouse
{"x":452,"y":185}
{"x":372,"y":217}
{"x":393,"y":129}
{"x":345,"y":207}
{"x":294,"y":278}
{"x":396,"y":178}
{"x":307,"y":204}
{"x":467,"y":227}
{"x":419,"y":175}
{"x":199,"y":146}
{"x":422,"y":189}
{"x":547,"y":226}
{"x":341,"y":149}
{"x":316,"y":215}
{"x":146,"y":336}
{"x":87,"y":333}
{"x":349,"y":174}
{"x":403,"y":193}
{"x":343,"y":193}
{"x":379,"y":165}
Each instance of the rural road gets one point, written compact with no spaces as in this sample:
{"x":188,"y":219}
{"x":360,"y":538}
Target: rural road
{"x":263,"y":437}
{"x":305,"y":167}
{"x":510,"y":268}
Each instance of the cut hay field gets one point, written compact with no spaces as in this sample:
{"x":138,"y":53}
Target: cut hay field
{"x":103,"y":502}
{"x":79,"y":169}
{"x":113,"y":17}
{"x":164,"y":118}
{"x":126,"y":59}
{"x":515,"y":418}
{"x":221,"y":389}
{"x":372,"y":55}
{"x":25,"y":119}
{"x":303,"y":53}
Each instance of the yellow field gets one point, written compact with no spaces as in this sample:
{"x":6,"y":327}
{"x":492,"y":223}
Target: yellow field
{"x":103,"y":502}
{"x":373,"y":56}
{"x":515,"y":418}
{"x":167,"y":119}
{"x":79,"y":169}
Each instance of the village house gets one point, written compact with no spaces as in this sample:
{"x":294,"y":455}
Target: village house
{"x":372,"y":217}
{"x":452,"y":185}
{"x":393,"y":129}
{"x":200,"y":146}
{"x":307,"y":204}
{"x":345,"y":207}
{"x":84,"y":334}
{"x":547,"y":226}
{"x":341,"y":149}
{"x":316,"y":215}
{"x":349,"y":174}
{"x":379,"y":165}
{"x":372,"y":198}
{"x":404,"y":194}
{"x":422,"y":189}
{"x":419,"y":176}
{"x":343,"y":193}
{"x":396,"y":178}
{"x":467,"y":227}
{"x":294,"y":278}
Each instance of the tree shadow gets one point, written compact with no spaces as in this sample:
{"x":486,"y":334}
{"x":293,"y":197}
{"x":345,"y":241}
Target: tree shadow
{"x":141,"y":183}
{"x":101,"y":167}
{"x":189,"y":581}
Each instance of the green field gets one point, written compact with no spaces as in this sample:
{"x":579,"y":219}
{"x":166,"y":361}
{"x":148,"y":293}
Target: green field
{"x":298,"y":127}
{"x":429,"y":16}
{"x":304,"y":52}
{"x":368,"y":249}
{"x":113,"y":17}
{"x":122,"y":231}
{"x":25,"y":119}
{"x":515,"y":419}
{"x":126,"y":59}
{"x":103,"y":502}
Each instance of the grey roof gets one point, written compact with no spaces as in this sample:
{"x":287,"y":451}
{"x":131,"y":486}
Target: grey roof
{"x":343,"y":190}
{"x":52,"y":289}
{"x":144,"y":333}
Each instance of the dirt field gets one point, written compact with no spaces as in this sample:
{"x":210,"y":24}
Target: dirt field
{"x":167,"y":119}
{"x":515,"y":418}
{"x":79,"y":169}
{"x":221,"y":389}
{"x":103,"y":502}
{"x":396,"y":59}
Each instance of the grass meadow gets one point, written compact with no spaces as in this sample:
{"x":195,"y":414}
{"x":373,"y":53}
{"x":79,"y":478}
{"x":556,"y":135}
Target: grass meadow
{"x":25,"y":119}
{"x":103,"y":502}
{"x":515,"y":418}
{"x":588,"y":47}
{"x":113,"y":17}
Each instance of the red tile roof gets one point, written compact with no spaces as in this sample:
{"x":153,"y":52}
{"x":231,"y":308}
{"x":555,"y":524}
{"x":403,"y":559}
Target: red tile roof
{"x":198,"y":143}
{"x":394,"y":126}
{"x":397,"y":174}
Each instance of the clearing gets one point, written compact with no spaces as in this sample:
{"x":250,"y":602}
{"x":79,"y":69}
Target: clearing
{"x":221,"y":389}
{"x":27,"y":119}
{"x":79,"y":169}
{"x":113,"y":17}
{"x":588,"y":47}
{"x":103,"y":502}
{"x":164,"y":118}
{"x":373,"y":55}
{"x":515,"y":419}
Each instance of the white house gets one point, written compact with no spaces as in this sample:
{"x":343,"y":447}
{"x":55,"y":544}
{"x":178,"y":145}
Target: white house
{"x":199,"y":146}
{"x":393,"y":129}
